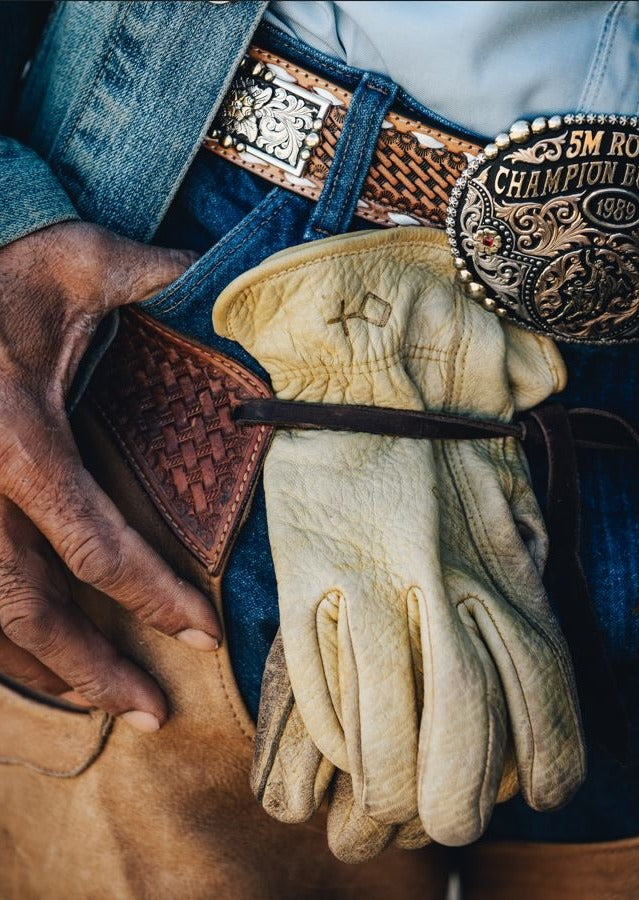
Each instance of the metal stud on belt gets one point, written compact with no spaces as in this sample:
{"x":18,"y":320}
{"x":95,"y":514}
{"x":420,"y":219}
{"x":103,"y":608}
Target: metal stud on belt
{"x":275,"y":120}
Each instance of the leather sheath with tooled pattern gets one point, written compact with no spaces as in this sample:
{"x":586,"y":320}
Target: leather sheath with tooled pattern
{"x":169,"y":403}
{"x":414,"y":168}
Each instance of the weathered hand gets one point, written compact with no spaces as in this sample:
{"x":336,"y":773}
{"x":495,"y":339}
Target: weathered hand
{"x":55,"y":287}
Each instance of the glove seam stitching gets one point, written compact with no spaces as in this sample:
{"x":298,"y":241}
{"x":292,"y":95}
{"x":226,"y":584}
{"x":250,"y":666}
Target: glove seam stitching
{"x":400,"y":254}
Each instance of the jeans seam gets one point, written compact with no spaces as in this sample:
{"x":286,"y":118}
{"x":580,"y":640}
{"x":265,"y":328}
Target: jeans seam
{"x":601,"y":57}
{"x":261,"y":220}
{"x":91,"y":94}
{"x":345,"y":196}
{"x":340,"y":165}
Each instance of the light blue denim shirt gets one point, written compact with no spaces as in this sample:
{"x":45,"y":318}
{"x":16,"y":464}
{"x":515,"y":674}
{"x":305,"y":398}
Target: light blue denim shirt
{"x":483,"y":64}
{"x":103,"y":119}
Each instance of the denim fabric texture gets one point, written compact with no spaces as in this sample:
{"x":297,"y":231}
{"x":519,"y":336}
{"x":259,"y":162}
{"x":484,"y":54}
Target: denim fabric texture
{"x":134,"y":82}
{"x":236,"y":220}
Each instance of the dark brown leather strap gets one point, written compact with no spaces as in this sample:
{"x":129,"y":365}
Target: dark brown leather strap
{"x":593,"y":429}
{"x":371,"y":420}
{"x":598,"y":429}
{"x":566,"y":580}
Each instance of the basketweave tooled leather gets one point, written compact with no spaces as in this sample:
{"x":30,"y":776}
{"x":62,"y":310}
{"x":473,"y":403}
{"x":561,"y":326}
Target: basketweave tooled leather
{"x":168,"y":401}
{"x":414,"y":168}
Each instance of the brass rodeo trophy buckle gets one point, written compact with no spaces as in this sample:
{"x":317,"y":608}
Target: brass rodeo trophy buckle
{"x":544,"y":227}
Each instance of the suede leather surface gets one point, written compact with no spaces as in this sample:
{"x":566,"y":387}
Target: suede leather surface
{"x":168,"y":815}
{"x":530,"y":871}
{"x":409,"y":573}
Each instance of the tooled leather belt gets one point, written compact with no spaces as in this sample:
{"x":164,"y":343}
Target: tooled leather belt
{"x":414,"y":169}
{"x":543,"y":222}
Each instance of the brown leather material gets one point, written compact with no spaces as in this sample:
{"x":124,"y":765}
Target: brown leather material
{"x":591,"y":429}
{"x":371,"y":420}
{"x":169,"y":403}
{"x":167,"y":815}
{"x":414,"y":168}
{"x":527,"y":871}
{"x":69,"y":739}
{"x":599,"y":429}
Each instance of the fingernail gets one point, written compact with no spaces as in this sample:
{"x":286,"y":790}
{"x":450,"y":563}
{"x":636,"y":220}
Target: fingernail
{"x":142,"y":721}
{"x":197,"y":639}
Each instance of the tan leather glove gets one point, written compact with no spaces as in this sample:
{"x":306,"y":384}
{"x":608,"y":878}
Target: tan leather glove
{"x":397,"y":557}
{"x":290,"y":777}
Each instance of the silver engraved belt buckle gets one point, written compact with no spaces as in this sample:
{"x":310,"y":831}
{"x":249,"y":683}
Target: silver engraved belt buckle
{"x":272,"y":119}
{"x":544,"y":227}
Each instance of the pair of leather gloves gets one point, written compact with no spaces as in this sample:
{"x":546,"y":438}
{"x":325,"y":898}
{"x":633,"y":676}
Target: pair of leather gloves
{"x":419,"y":676}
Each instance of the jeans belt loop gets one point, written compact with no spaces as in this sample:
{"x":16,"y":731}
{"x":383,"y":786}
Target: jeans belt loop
{"x":354,"y":152}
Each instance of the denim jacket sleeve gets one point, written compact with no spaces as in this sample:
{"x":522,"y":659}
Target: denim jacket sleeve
{"x":31,"y":197}
{"x":118,"y":100}
{"x":113,"y":107}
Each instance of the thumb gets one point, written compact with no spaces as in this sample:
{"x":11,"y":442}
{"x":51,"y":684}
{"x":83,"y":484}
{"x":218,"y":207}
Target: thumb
{"x":139,"y":271}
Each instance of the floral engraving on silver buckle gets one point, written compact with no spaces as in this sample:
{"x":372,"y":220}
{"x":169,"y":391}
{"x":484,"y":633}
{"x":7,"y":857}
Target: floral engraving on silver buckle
{"x":274,"y":120}
{"x":544,"y":227}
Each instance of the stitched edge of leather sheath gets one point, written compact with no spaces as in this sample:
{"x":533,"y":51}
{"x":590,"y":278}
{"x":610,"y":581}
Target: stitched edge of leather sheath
{"x":168,"y":402}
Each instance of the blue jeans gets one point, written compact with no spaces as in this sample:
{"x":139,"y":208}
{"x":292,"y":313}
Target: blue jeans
{"x":235,"y":220}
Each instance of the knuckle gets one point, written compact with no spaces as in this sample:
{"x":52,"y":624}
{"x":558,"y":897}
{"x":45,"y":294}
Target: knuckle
{"x":95,"y":689}
{"x":153,"y":610}
{"x":64,"y":495}
{"x":30,"y":623}
{"x":17,"y":475}
{"x":33,"y":484}
{"x":97,"y":560}
{"x":11,"y":571}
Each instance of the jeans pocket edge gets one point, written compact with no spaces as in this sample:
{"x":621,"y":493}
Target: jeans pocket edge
{"x":179,"y":290}
{"x":47,"y":737}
